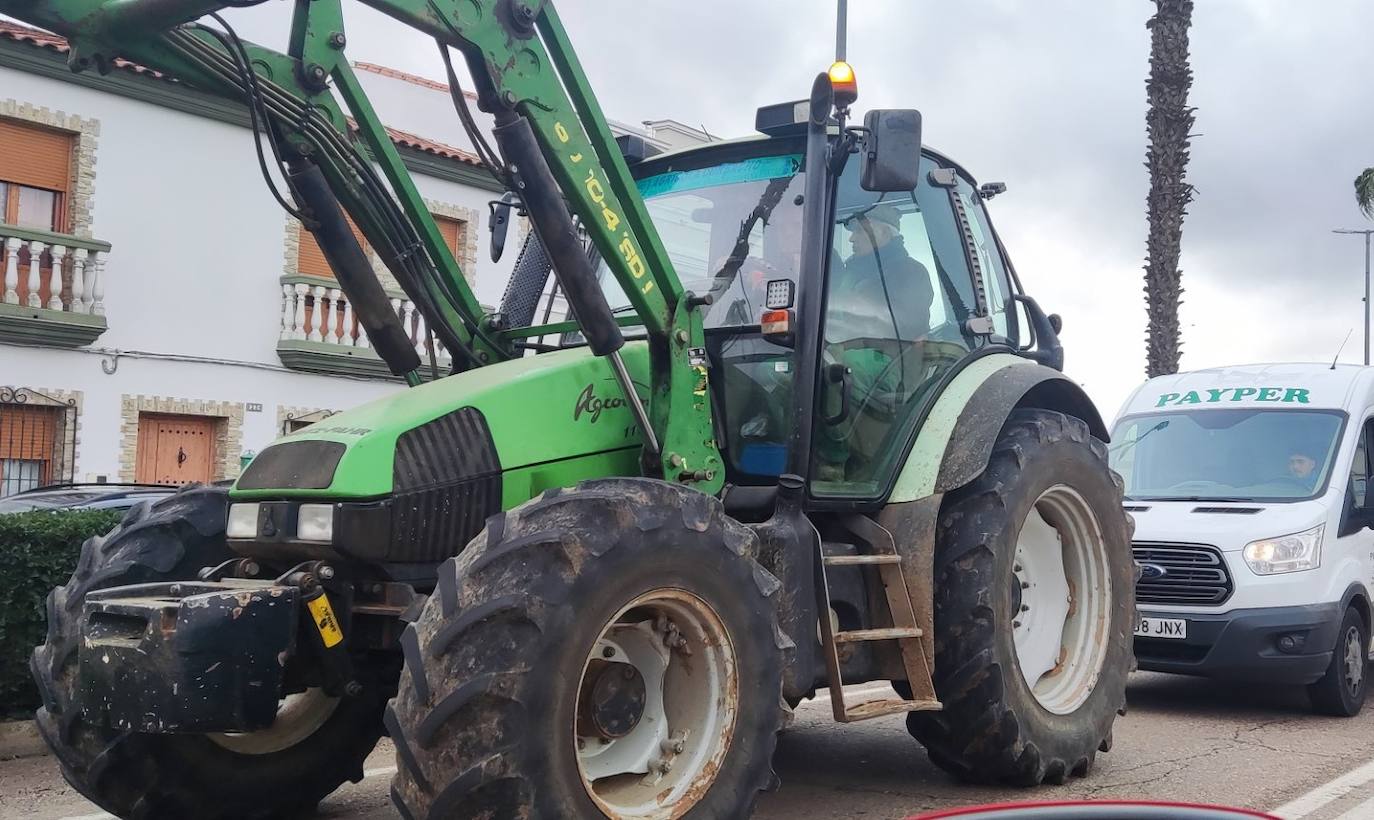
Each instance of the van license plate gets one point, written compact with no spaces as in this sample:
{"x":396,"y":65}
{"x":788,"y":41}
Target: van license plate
{"x":1161,"y":628}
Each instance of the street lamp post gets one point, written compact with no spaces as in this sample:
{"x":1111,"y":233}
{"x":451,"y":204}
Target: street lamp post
{"x":1366,"y":234}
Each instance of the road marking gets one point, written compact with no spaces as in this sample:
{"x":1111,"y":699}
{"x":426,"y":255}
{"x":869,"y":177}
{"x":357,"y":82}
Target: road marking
{"x":824,"y":697}
{"x":1361,"y":812}
{"x":1326,"y":793}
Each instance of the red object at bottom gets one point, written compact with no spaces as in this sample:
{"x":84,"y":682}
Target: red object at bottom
{"x":1095,"y":810}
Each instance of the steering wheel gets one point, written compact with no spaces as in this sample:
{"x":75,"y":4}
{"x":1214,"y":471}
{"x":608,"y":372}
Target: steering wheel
{"x":1290,"y":480}
{"x":1199,"y":485}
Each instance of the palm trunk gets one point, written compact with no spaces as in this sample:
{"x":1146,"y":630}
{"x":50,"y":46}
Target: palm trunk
{"x":1168,"y":124}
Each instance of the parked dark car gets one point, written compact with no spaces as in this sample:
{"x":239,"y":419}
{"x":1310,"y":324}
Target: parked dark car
{"x":83,"y":497}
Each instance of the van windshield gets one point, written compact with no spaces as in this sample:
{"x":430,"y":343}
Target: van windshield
{"x":1226,"y":455}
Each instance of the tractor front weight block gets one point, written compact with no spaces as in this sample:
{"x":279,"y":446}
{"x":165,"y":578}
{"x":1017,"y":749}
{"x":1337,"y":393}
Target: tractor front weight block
{"x":186,"y":657}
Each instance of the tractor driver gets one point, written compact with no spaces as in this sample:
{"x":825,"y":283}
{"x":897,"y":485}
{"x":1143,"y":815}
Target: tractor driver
{"x":879,"y":309}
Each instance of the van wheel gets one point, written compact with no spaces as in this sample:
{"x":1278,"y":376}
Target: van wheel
{"x":1340,"y":692}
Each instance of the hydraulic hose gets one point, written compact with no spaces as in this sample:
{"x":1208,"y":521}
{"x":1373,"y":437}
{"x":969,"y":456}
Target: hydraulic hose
{"x":553,"y":223}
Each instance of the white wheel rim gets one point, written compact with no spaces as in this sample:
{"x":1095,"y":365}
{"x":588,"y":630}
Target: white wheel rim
{"x":1354,"y":660}
{"x":298,"y":717}
{"x":664,"y":765}
{"x":1064,"y":601}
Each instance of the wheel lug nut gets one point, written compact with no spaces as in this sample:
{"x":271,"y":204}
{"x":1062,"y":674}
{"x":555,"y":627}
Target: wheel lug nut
{"x":1025,"y":608}
{"x":1015,"y":567}
{"x":1025,"y":585}
{"x":608,"y":652}
{"x":1015,"y":624}
{"x":581,"y":744}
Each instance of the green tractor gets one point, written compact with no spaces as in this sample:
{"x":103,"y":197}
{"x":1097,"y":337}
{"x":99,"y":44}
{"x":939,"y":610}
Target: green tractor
{"x":806,"y":430}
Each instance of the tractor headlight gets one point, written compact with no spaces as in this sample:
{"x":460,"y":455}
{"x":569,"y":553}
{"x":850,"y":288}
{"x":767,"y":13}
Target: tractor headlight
{"x":315,"y":523}
{"x":1286,"y":553}
{"x":243,"y":521}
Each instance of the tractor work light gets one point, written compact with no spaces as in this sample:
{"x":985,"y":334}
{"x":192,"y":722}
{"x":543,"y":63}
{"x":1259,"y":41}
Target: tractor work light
{"x":780,"y":294}
{"x":243,"y":521}
{"x":782,"y":119}
{"x":316,"y":523}
{"x":844,"y":83}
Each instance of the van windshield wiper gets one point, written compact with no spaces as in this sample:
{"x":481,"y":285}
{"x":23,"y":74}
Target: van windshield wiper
{"x":1222,"y":498}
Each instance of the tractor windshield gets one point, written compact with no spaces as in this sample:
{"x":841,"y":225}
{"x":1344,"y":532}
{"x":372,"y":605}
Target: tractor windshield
{"x":729,"y":229}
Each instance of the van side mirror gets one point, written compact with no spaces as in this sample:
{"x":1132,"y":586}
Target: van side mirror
{"x":892,"y":150}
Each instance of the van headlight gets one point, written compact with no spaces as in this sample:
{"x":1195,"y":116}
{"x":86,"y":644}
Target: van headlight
{"x":316,"y":523}
{"x":243,"y":521}
{"x":1286,"y":553}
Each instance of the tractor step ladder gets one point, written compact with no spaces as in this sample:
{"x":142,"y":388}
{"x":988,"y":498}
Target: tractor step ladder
{"x":882,"y":555}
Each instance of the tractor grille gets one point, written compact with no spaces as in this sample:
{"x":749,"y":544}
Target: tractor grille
{"x":447,"y":482}
{"x":1194,"y":575}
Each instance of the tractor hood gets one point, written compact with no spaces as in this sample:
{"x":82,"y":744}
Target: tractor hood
{"x":540,"y":421}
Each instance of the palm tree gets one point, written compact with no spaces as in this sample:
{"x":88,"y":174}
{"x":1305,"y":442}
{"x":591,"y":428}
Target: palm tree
{"x":1364,"y":192}
{"x":1168,"y":124}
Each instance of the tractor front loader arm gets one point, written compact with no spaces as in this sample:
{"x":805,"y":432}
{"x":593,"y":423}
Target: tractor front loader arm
{"x":558,"y":156}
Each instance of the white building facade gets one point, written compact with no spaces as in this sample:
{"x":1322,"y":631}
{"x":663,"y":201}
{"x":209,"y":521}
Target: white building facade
{"x":162,"y":319}
{"x":160,"y":316}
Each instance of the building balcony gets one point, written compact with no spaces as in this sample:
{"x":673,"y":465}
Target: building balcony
{"x":54,"y":288}
{"x":320,"y":334}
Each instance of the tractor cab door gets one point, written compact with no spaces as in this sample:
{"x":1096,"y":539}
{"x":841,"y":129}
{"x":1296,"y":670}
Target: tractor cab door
{"x":899,"y":297}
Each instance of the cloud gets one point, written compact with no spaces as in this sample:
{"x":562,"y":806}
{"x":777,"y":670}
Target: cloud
{"x":1049,"y":97}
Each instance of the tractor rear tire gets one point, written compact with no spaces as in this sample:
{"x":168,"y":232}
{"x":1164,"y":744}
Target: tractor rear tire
{"x":489,"y":719}
{"x":995,"y":726}
{"x":154,"y":776}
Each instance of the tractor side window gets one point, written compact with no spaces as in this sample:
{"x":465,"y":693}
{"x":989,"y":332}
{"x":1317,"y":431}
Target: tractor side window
{"x":899,"y":294}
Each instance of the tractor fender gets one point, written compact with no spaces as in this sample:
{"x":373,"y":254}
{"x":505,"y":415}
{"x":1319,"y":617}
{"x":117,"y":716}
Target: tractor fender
{"x":955,"y":441}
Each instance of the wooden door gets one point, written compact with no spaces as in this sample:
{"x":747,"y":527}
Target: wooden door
{"x":175,"y":449}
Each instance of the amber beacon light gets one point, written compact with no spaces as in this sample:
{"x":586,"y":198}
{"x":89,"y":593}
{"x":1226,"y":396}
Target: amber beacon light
{"x":843,"y":82}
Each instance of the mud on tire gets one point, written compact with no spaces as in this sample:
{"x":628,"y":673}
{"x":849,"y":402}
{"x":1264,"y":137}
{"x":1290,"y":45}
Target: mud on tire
{"x":483,"y":720}
{"x":157,"y":776}
{"x":993,"y":729}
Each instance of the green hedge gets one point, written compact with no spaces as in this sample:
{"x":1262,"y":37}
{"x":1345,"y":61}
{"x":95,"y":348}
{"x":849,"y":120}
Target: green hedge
{"x":38,"y":551}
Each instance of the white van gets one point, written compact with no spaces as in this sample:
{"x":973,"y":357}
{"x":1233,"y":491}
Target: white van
{"x":1248,"y":488}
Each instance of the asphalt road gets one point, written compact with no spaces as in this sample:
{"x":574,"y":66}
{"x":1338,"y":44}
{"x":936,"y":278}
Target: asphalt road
{"x":1183,"y":739}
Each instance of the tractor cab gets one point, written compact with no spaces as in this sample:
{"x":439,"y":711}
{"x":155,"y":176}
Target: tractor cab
{"x":915,"y":284}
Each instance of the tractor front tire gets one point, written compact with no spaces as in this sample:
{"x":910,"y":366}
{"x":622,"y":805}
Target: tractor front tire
{"x":1004,"y":613}
{"x":512,"y":703}
{"x":253,"y":775}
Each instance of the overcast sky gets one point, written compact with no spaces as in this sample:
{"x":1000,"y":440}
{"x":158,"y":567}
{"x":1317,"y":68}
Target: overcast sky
{"x":1049,"y":97}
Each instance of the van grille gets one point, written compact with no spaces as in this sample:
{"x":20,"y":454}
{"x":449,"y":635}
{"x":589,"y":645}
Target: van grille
{"x":1194,"y":575}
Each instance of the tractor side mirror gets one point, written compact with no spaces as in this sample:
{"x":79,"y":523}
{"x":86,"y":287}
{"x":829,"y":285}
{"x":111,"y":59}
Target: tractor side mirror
{"x":892,"y":150}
